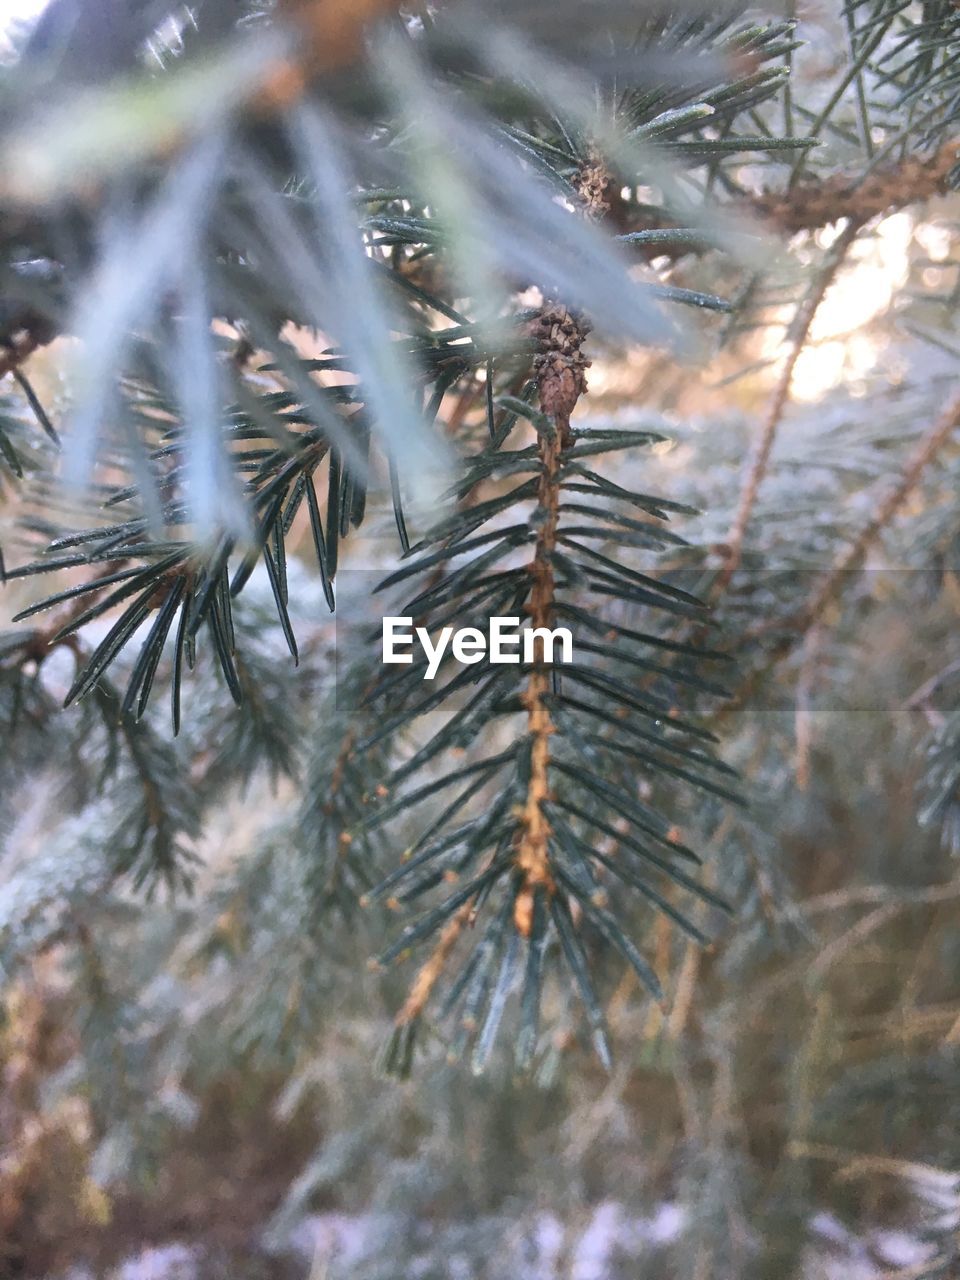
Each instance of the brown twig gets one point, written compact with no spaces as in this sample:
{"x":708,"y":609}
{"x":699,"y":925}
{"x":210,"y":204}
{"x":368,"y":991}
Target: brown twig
{"x":559,"y":369}
{"x":873,"y":895}
{"x":817,"y":203}
{"x":429,"y":972}
{"x":797,"y":626}
{"x":533,"y":843}
{"x":336,"y":27}
{"x":925,"y":452}
{"x":760,"y":462}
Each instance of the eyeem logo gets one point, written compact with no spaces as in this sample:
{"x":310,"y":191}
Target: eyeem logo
{"x":503,"y":642}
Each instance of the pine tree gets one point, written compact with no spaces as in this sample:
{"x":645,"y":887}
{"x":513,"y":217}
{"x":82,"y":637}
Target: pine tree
{"x":328,"y":277}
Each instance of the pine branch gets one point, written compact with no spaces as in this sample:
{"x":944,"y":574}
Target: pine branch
{"x":566,"y":769}
{"x":793,"y":628}
{"x":820,"y":201}
{"x":560,"y":377}
{"x":923,"y":455}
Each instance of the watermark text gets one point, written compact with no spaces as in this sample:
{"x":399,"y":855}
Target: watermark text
{"x":503,"y":642}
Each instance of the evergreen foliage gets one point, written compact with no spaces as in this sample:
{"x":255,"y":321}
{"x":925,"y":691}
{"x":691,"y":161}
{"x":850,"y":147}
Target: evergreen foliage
{"x":341,"y":211}
{"x":326,"y":280}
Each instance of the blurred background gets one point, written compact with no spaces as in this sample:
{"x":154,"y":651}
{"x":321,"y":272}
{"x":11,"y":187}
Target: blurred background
{"x":186,"y":1094}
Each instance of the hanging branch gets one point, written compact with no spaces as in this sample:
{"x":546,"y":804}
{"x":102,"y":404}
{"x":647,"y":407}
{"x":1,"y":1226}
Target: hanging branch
{"x":533,"y":852}
{"x":559,"y":370}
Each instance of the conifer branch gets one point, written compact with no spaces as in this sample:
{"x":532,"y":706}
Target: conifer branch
{"x":819,"y":201}
{"x":794,"y":628}
{"x":816,"y":202}
{"x":926,"y":451}
{"x":559,"y":369}
{"x":318,"y":202}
